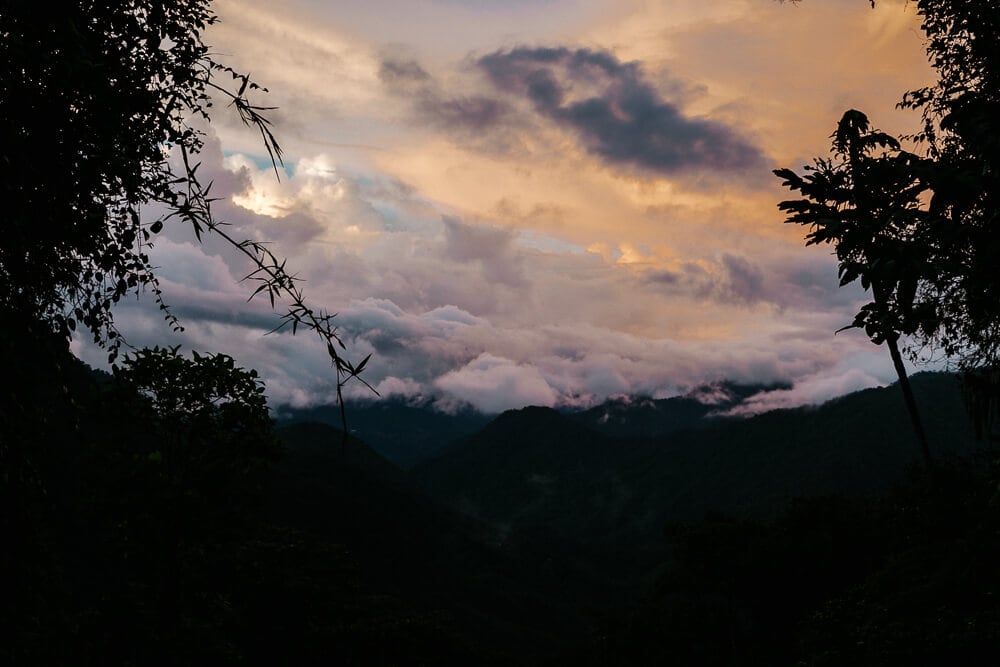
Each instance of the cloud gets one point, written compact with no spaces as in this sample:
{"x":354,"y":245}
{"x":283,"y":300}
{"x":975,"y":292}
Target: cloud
{"x":616,"y":113}
{"x":485,"y":122}
{"x":494,"y":384}
{"x":475,"y":113}
{"x":744,"y":279}
{"x":460,"y":309}
{"x":400,"y":387}
{"x":728,"y":278}
{"x":490,"y":246}
{"x":441,"y":202}
{"x":395,"y":71}
{"x":812,"y":390}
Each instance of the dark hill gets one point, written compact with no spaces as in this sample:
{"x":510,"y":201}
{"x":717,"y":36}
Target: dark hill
{"x":511,"y":470}
{"x":541,"y":477}
{"x":351,"y":491}
{"x":403,"y":432}
{"x":643,"y":417}
{"x":408,"y":545}
{"x":856,"y":445}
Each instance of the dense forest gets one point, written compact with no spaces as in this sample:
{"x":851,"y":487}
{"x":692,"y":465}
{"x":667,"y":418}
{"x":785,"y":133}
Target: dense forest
{"x":156,"y":514}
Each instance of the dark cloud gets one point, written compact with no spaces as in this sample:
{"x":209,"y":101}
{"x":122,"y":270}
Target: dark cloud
{"x":491,"y":246}
{"x":462,"y":114}
{"x":395,"y":71}
{"x":731,"y":279}
{"x":744,"y":279}
{"x":616,"y":112}
{"x":663,"y":277}
{"x":465,"y":113}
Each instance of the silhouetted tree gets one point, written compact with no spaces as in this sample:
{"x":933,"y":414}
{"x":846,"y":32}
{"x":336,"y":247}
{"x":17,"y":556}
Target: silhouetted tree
{"x":206,"y":419}
{"x":866,"y":201}
{"x":960,"y":132}
{"x":177,"y":448}
{"x":97,"y":96}
{"x":98,"y":103}
{"x":960,"y":139}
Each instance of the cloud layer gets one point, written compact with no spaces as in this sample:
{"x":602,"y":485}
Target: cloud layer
{"x":549,"y":214}
{"x":485,"y":315}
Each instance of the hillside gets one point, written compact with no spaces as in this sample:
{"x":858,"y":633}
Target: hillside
{"x":643,"y":417}
{"x":536,"y":540}
{"x":519,"y":541}
{"x":541,"y":477}
{"x":406,"y":545}
{"x":402,"y":432}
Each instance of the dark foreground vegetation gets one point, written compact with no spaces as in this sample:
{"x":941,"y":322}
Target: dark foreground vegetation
{"x":908,"y":579}
{"x":138,"y":539}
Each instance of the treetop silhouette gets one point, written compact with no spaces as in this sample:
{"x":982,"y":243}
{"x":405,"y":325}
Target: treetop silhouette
{"x":920,"y":230}
{"x":98,"y":103}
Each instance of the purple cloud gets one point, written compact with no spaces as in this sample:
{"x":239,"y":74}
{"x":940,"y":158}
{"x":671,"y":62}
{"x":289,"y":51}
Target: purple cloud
{"x":616,"y":113}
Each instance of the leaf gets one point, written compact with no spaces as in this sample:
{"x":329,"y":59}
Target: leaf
{"x":360,"y":367}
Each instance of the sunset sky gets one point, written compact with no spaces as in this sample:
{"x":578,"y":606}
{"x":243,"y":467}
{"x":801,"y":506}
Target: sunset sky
{"x":515,"y":202}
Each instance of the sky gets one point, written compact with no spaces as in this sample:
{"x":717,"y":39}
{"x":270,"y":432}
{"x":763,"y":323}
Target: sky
{"x":548,"y":202}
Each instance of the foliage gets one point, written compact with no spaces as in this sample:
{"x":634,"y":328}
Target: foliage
{"x":172,"y":455}
{"x":867,"y":203}
{"x":960,"y":132}
{"x":960,"y":114}
{"x":953,"y":206}
{"x":166,"y":536}
{"x":99,"y":102}
{"x":961,"y":174}
{"x":906,"y":579}
{"x":207,"y":419}
{"x":123,"y":499}
{"x":95,"y":97}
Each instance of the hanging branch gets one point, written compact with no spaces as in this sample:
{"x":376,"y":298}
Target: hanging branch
{"x":194,"y":207}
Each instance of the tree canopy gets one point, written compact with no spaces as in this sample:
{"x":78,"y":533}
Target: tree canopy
{"x":960,"y":115}
{"x":96,"y":96}
{"x":99,"y":106}
{"x":920,"y":229}
{"x":866,"y":201}
{"x":123,"y":498}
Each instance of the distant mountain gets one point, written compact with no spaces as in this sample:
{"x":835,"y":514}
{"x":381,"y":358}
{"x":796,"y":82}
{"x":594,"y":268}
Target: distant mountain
{"x":354,"y":494}
{"x":514,"y":459}
{"x":409,"y":545}
{"x":407,"y":432}
{"x":645,"y":417}
{"x":540,"y":476}
{"x":401,"y":431}
{"x":526,"y":531}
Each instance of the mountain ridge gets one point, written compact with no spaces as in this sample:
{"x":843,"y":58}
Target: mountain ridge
{"x":407,"y":432}
{"x":587,"y":487}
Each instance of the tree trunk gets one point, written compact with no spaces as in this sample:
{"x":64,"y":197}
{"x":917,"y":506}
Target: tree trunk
{"x":911,"y":403}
